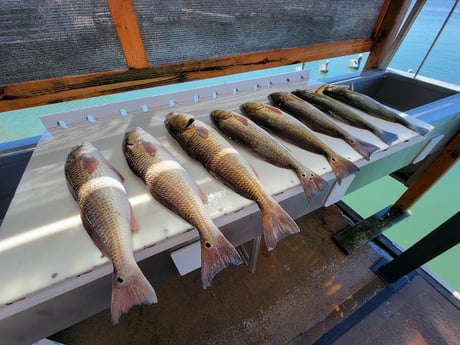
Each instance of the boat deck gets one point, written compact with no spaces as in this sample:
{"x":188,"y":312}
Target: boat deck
{"x":306,"y":291}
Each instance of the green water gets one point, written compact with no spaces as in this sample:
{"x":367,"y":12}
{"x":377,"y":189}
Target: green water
{"x":436,"y":206}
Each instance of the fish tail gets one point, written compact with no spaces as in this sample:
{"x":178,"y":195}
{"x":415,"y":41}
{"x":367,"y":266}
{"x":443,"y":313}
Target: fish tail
{"x":420,"y":130}
{"x":276,"y":223}
{"x":387,"y":137}
{"x":311,"y":183}
{"x":216,"y":254}
{"x":342,"y":167}
{"x":364,"y":148}
{"x":134,"y":291}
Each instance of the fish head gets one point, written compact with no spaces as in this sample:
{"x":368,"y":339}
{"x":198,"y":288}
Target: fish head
{"x":252,"y":107}
{"x":134,"y":138}
{"x":137,"y":141}
{"x":224,"y":118}
{"x":221,"y":117}
{"x":80,"y":164}
{"x":84,"y":154}
{"x":279,"y":98}
{"x":177,"y":123}
{"x":340,"y":89}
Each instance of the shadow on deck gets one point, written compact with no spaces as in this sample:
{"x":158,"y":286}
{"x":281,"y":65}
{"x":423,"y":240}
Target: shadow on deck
{"x":306,"y":291}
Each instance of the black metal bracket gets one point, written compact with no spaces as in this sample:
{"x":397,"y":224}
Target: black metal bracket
{"x":444,"y":237}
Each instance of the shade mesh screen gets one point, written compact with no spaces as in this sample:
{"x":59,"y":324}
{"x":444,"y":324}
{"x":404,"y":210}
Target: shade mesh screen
{"x":180,"y":30}
{"x":44,"y":39}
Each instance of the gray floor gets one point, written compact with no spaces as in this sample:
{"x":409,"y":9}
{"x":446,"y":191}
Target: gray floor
{"x":305,"y":288}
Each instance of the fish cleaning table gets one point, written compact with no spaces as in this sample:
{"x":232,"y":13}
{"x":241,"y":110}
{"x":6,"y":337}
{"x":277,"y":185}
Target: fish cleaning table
{"x":55,"y":274}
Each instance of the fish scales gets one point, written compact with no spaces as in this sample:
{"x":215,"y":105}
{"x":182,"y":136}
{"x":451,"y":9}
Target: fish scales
{"x":204,"y":144}
{"x":244,"y":131}
{"x":369,"y":105}
{"x":170,"y":184}
{"x":341,"y":112}
{"x":314,"y":118}
{"x":294,"y":131}
{"x":108,"y":218}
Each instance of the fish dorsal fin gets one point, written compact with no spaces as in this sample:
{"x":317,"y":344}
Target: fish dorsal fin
{"x":90,"y":164}
{"x":242,"y":119}
{"x":202,"y":131}
{"x":150,"y":148}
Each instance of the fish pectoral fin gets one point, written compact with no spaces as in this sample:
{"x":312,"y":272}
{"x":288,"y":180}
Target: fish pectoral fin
{"x":254,"y":170}
{"x":202,"y":131}
{"x":113,"y":169}
{"x":90,"y":164}
{"x":203,"y":196}
{"x":93,"y":235}
{"x":150,"y":148}
{"x":132,"y":220}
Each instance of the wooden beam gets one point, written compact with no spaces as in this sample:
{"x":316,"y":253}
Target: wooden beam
{"x":40,"y":92}
{"x":125,"y":21}
{"x":443,"y":162}
{"x":386,"y":28}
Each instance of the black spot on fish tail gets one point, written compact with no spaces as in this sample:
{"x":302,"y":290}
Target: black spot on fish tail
{"x":129,"y":293}
{"x":216,"y":254}
{"x":342,"y":167}
{"x":311,"y":183}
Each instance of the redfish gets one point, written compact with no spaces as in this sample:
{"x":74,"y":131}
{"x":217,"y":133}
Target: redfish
{"x":244,"y":131}
{"x":108,"y":218}
{"x":170,"y":184}
{"x":204,"y":144}
{"x":294,"y":131}
{"x":348,"y":115}
{"x":368,"y":105}
{"x":314,"y":118}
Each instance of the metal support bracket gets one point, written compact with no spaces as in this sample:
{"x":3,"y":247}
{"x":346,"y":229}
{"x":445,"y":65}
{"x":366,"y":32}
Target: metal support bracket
{"x":435,"y":243}
{"x":250,"y":259}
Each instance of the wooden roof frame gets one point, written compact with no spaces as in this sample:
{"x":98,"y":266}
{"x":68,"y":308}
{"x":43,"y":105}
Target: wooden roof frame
{"x":139,"y":74}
